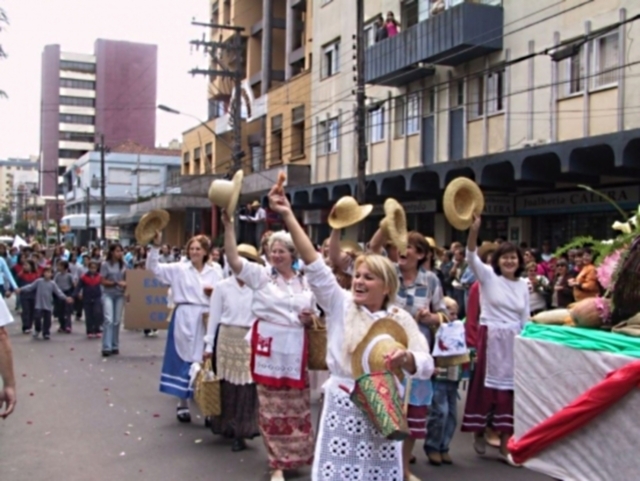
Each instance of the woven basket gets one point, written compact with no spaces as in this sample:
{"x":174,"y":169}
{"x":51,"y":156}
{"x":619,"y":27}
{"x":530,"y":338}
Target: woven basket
{"x":207,"y":393}
{"x":317,"y":360}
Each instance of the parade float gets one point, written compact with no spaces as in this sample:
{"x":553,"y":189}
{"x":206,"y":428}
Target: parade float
{"x":578,"y":372}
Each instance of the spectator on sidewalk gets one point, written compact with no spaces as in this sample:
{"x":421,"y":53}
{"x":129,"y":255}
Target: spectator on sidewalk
{"x":8,"y":391}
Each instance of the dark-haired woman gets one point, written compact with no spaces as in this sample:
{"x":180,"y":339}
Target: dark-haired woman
{"x":112,"y":272}
{"x":504,"y":309}
{"x":191,"y":284}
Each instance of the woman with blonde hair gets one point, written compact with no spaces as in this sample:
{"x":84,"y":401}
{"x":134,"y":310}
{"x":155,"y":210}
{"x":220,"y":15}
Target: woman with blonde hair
{"x":282,"y":305}
{"x":348,"y":443}
{"x":191,"y":284}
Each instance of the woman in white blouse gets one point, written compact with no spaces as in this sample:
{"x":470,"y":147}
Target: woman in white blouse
{"x":282,"y":305}
{"x":230,"y":319}
{"x":504,"y":309}
{"x":348,"y":445}
{"x":191,"y":284}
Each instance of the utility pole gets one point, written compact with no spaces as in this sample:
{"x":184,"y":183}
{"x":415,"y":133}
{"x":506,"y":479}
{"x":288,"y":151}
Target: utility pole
{"x":361,"y":109}
{"x":103,"y":197}
{"x":88,"y":194}
{"x":218,"y":69}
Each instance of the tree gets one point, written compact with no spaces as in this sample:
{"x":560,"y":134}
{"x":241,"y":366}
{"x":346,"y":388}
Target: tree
{"x":4,"y":21}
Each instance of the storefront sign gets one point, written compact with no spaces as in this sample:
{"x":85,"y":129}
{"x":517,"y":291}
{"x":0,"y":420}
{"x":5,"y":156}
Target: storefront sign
{"x":627,"y":197}
{"x":495,"y":205}
{"x":315,"y":217}
{"x":412,"y":207}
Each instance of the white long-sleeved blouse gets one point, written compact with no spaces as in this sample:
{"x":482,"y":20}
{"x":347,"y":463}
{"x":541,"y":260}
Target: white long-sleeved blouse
{"x":348,"y":323}
{"x":230,"y":306}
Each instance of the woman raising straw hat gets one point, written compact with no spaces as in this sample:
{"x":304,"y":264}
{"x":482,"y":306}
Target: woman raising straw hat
{"x":348,"y":444}
{"x":283,"y":305}
{"x":191,"y":284}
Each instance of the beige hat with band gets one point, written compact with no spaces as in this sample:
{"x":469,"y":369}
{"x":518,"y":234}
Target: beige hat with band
{"x":150,"y":223}
{"x":462,"y":200}
{"x":347,"y":212}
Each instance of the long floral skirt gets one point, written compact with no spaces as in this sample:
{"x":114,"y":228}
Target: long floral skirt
{"x":285,"y":425}
{"x":486,"y":406}
{"x":350,"y":447}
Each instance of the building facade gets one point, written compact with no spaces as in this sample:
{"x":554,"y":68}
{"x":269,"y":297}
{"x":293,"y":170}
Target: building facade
{"x":110,"y":93}
{"x":529,"y":99}
{"x":133,"y":174}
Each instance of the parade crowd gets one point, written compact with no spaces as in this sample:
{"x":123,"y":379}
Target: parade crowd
{"x":253,"y":309}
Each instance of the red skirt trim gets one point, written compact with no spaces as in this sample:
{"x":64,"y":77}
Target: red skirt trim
{"x":417,"y":420}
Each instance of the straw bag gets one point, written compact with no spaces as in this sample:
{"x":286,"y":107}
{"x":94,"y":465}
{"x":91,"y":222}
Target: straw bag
{"x":207,"y":391}
{"x":317,"y":334}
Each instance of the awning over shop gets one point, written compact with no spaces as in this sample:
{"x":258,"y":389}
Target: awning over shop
{"x":166,"y":202}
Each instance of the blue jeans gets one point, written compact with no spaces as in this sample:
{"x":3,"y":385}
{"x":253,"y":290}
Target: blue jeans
{"x":441,"y":425}
{"x":112,"y":307}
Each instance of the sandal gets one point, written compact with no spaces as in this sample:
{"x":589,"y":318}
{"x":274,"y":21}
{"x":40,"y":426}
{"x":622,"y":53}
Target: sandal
{"x":183,"y":414}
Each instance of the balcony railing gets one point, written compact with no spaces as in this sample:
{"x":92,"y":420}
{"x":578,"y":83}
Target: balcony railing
{"x":453,"y":37}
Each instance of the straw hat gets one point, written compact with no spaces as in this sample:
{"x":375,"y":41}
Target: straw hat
{"x":384,"y":336}
{"x":395,"y":224}
{"x":462,"y":199}
{"x":255,"y":203}
{"x":347,"y":212}
{"x":149,"y":224}
{"x":486,"y":247}
{"x":249,"y":252}
{"x":225,"y":193}
{"x":350,"y":246}
{"x":434,"y":245}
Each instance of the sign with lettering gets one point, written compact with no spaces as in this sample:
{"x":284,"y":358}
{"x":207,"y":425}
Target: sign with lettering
{"x":147,"y":299}
{"x":411,"y":207}
{"x":627,"y":197}
{"x":496,"y":205}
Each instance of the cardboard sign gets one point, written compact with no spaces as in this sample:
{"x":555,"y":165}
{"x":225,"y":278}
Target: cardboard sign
{"x":146,"y":306}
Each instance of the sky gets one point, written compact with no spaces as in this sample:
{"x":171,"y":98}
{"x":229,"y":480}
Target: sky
{"x":75,"y":25}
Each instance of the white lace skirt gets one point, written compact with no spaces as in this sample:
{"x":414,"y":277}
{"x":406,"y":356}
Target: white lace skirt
{"x":349,"y":447}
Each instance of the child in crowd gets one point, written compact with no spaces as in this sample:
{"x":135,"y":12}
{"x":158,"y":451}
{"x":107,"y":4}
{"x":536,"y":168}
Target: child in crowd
{"x":89,"y":292}
{"x":441,"y":425}
{"x":77,"y":270}
{"x":26,"y":273}
{"x":45,"y":289}
{"x":65,"y":281}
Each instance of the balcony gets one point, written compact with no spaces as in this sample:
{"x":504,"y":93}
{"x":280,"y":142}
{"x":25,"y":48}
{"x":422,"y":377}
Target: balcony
{"x":453,"y":37}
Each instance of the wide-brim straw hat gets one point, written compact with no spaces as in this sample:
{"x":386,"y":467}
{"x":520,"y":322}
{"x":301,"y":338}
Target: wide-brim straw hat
{"x":487,"y":247}
{"x":462,"y":199}
{"x":350,"y":246}
{"x":347,"y":212}
{"x":255,"y":203}
{"x":150,"y":224}
{"x":386,"y":335}
{"x":225,"y":193}
{"x":434,"y":245}
{"x":395,"y":225}
{"x":251,"y":253}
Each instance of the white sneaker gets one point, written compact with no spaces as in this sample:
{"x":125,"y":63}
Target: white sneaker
{"x":277,"y":476}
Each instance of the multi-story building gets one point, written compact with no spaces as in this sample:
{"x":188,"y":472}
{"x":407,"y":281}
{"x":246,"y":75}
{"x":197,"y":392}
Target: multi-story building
{"x":133,"y":174}
{"x":530,"y":99}
{"x":8,"y":170}
{"x":275,"y":66}
{"x":108,"y":94}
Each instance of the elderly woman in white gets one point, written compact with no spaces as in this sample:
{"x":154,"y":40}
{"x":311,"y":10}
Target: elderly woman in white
{"x":191,"y":284}
{"x":283,"y":305}
{"x":230,"y":319}
{"x":348,"y":445}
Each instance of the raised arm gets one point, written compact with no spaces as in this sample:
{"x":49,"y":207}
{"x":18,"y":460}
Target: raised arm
{"x":163,"y":272}
{"x":279,"y":203}
{"x":376,"y":244}
{"x":481,"y":271}
{"x":335,"y":253}
{"x":231,"y":245}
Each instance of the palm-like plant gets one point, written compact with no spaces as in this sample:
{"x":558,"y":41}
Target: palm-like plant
{"x":4,"y":21}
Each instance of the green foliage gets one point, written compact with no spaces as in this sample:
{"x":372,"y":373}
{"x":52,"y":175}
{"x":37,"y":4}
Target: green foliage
{"x":22,"y":227}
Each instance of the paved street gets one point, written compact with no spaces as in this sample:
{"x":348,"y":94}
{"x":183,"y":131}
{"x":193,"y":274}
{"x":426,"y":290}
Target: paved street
{"x":80,"y":418}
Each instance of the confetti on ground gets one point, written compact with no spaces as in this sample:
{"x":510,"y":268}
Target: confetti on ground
{"x":123,"y":453}
{"x":106,"y":388}
{"x":139,"y":439}
{"x":127,"y":433}
{"x":65,"y":371}
{"x":110,"y":405}
{"x":30,"y":394}
{"x":129,"y":425}
{"x":29,"y":422}
{"x":198,"y":441}
{"x":72,"y":348}
{"x":47,"y":433}
{"x":156,"y":415}
{"x":24,"y":375}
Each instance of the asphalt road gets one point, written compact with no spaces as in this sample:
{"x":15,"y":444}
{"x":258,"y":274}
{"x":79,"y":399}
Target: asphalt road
{"x":81,"y":417}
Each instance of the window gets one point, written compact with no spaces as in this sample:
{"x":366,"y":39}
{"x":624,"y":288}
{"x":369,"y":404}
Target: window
{"x":456,"y":94}
{"x":150,"y":177}
{"x":216,"y":108}
{"x":407,"y":115}
{"x":77,"y":137}
{"x":77,"y":84}
{"x":408,"y":13}
{"x":77,"y":101}
{"x":256,"y":158}
{"x":276,"y":139}
{"x":476,"y":97}
{"x":84,"y":67}
{"x":196,"y":160}
{"x":297,"y":131}
{"x":331,"y":59}
{"x":370,"y":33}
{"x":571,"y":73}
{"x":495,"y":92}
{"x":375,"y":124}
{"x":186,"y":160}
{"x":76,"y":119}
{"x":119,"y":176}
{"x":605,"y":60}
{"x":328,"y":135}
{"x":208,"y":158}
{"x":70,"y":153}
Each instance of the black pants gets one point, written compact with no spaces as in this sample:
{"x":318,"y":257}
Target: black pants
{"x":28,"y":306}
{"x":43,"y":321}
{"x":93,"y":316}
{"x":63,"y":310}
{"x":78,"y":308}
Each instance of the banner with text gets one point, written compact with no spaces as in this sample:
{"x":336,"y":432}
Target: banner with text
{"x":147,"y":299}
